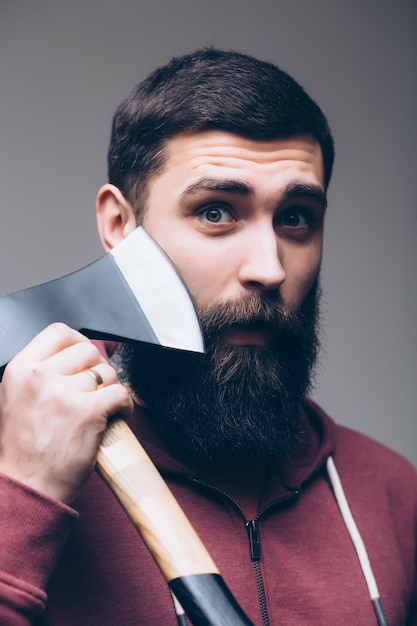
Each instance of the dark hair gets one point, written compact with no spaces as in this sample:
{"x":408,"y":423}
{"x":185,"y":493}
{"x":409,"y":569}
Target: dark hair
{"x":208,"y":89}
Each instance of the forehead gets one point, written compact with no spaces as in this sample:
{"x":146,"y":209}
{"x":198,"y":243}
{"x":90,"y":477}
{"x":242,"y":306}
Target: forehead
{"x":190,"y":156}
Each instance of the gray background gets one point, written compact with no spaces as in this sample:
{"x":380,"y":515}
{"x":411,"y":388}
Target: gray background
{"x":65,"y":66}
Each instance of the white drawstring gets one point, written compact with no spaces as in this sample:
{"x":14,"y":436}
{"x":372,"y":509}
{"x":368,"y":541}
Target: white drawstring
{"x":357,"y":540}
{"x":179,"y":612}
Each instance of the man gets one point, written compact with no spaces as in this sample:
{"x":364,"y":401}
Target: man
{"x":225,"y":160}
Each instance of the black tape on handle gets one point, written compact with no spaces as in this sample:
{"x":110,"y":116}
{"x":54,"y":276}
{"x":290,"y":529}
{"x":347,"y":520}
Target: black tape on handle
{"x":207,"y":601}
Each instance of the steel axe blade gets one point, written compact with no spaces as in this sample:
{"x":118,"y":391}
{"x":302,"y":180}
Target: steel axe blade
{"x":132,"y":293}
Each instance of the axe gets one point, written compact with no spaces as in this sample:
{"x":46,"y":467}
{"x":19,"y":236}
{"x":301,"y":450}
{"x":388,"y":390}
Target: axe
{"x":133,"y":293}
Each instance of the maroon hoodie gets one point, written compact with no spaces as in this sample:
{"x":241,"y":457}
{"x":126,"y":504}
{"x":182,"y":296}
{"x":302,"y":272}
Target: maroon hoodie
{"x":88,"y":567}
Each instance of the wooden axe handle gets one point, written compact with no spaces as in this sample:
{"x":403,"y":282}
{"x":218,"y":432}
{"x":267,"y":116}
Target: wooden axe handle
{"x":127,"y":469}
{"x":172,"y":541}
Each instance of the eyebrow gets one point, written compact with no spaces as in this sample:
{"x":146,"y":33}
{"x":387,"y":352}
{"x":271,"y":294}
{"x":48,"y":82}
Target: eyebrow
{"x":227,"y":185}
{"x":238,"y":187}
{"x":305,"y":190}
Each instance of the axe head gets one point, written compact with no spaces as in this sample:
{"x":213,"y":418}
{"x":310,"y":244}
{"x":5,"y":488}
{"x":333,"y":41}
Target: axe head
{"x":132,"y":293}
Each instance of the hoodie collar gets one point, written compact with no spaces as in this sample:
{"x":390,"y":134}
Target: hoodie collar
{"x":317,"y":441}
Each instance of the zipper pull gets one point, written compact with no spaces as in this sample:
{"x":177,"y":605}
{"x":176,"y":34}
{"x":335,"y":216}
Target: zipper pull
{"x":253,"y":534}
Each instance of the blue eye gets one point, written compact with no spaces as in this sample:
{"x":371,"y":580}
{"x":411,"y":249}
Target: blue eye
{"x":297,"y":218}
{"x":216,"y":215}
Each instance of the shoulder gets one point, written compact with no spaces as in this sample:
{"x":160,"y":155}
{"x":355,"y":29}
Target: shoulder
{"x":372,"y":459}
{"x":364,"y":459}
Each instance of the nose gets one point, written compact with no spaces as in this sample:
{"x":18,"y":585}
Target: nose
{"x":261,"y":267}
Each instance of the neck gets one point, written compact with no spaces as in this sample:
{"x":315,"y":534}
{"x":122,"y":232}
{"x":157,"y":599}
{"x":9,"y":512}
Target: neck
{"x":242,"y":481}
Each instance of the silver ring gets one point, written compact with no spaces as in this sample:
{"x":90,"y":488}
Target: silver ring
{"x":96,"y":377}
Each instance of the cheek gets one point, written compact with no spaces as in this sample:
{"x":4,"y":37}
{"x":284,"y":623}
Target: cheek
{"x":202,"y":273}
{"x":204,"y":281}
{"x":300,"y":279}
{"x":307,"y":283}
{"x":201,"y":267}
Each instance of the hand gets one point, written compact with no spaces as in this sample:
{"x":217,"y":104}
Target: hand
{"x":52,"y":415}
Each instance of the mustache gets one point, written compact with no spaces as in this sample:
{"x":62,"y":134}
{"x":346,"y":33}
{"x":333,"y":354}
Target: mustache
{"x":290,"y":334}
{"x":251,"y":311}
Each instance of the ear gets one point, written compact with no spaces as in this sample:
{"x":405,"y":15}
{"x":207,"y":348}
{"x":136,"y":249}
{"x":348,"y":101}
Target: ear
{"x":115,"y":216}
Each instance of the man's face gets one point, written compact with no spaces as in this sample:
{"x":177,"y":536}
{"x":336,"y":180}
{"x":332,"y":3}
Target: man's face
{"x":238,"y":216}
{"x":243,"y":222}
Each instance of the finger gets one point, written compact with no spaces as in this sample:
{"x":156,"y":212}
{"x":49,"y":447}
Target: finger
{"x":95,"y":378}
{"x":52,"y":339}
{"x":76,"y":358}
{"x":116,"y":400}
{"x":111,"y":395}
{"x":93,"y":373}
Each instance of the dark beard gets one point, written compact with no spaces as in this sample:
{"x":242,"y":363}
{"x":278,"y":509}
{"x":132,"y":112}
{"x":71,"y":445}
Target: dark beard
{"x":236,"y":400}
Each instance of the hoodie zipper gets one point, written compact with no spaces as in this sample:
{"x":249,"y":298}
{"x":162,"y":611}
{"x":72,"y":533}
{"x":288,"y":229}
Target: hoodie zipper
{"x":252,"y":529}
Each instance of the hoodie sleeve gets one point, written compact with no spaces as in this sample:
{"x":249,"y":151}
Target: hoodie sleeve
{"x":33,"y":530}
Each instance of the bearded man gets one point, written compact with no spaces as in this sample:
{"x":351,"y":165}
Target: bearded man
{"x":225,"y":161}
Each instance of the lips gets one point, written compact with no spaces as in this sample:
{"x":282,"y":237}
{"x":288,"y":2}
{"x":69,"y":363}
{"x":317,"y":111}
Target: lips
{"x":255,"y":334}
